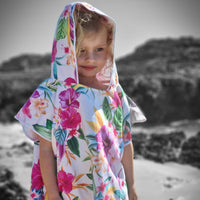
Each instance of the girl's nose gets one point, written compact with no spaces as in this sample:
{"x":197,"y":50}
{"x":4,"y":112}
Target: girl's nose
{"x":90,"y":57}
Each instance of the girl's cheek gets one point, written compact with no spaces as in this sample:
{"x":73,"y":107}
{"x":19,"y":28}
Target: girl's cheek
{"x":80,"y":57}
{"x":101,"y":56}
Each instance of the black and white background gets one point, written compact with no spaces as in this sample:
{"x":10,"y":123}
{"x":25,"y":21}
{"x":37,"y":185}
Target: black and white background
{"x":158,"y":58}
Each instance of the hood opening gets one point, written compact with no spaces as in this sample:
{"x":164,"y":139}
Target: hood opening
{"x":74,"y":21}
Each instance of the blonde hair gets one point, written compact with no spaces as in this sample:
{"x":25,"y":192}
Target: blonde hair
{"x":85,"y":21}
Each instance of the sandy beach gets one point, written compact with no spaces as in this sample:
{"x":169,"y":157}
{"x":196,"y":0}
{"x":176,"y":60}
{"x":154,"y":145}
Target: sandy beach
{"x":154,"y":181}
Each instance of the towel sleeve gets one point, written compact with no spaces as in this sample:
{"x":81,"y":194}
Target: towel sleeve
{"x":131,"y":114}
{"x":36,"y":116}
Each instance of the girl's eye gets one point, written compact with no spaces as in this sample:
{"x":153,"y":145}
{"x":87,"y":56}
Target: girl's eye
{"x":99,"y":49}
{"x":82,"y":50}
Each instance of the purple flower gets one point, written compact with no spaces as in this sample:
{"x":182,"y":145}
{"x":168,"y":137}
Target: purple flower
{"x":35,"y":94}
{"x":104,"y":140}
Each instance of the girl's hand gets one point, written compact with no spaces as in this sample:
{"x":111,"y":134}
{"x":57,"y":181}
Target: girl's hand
{"x":132,"y":193}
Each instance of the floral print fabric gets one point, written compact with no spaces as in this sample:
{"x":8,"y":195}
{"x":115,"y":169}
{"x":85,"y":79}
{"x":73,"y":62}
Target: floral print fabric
{"x":88,"y":128}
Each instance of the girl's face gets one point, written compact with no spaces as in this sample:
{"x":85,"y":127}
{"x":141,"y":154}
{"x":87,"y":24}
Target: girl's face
{"x":93,"y":53}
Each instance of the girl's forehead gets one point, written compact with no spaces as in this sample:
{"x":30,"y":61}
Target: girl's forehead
{"x":95,"y":37}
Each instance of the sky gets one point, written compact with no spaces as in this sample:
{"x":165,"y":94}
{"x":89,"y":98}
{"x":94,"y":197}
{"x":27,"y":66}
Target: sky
{"x":27,"y":26}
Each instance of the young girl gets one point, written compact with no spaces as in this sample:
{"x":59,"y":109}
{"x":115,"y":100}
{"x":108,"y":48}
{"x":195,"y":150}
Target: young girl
{"x":80,"y":118}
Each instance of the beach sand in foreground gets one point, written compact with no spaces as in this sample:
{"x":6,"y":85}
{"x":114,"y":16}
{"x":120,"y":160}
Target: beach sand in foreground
{"x":154,"y":181}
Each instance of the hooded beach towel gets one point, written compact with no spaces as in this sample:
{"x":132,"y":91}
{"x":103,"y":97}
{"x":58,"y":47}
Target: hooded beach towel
{"x":88,"y":127}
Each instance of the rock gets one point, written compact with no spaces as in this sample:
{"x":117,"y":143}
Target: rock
{"x":5,"y":174}
{"x":163,"y":77}
{"x":168,"y":147}
{"x":159,"y":147}
{"x":139,"y":143}
{"x":190,"y":153}
{"x":23,"y":148}
{"x":9,"y":188}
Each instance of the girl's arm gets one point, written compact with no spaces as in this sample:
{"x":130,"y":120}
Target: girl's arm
{"x":127,"y":161}
{"x":48,"y":169}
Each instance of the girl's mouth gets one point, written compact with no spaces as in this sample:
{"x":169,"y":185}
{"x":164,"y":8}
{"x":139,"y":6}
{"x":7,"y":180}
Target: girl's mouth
{"x":88,"y":67}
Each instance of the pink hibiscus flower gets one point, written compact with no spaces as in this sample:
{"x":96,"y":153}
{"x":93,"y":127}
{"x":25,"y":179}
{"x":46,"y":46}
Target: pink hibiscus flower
{"x":69,"y":81}
{"x":66,"y":49}
{"x":54,"y":51}
{"x":72,"y":133}
{"x":70,"y":118}
{"x":116,"y":100}
{"x":127,"y":136}
{"x":36,"y":177}
{"x":25,"y":108}
{"x":102,"y":187}
{"x":65,"y":181}
{"x":61,"y":150}
{"x":65,"y":12}
{"x":68,"y":98}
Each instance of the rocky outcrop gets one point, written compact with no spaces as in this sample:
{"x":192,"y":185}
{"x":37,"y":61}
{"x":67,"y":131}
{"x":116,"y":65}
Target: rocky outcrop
{"x":159,"y":147}
{"x":190,"y":153}
{"x":168,"y":147}
{"x":19,"y":77}
{"x":9,"y":188}
{"x":163,"y":77}
{"x":23,"y":148}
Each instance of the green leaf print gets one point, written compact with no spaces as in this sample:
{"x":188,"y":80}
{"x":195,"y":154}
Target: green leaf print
{"x":91,"y":137}
{"x":49,"y":124}
{"x":108,"y":179}
{"x":81,"y":136}
{"x":82,"y":90}
{"x":42,"y":130}
{"x":90,"y":187}
{"x":118,"y":118}
{"x":47,"y":94}
{"x":100,"y":196}
{"x":128,"y":125}
{"x":74,"y":146}
{"x":57,"y":62}
{"x":90,"y":176}
{"x":62,"y":29}
{"x":119,"y":194}
{"x":45,"y":89}
{"x":93,"y":146}
{"x":55,"y":72}
{"x":76,"y":198}
{"x":87,"y":158}
{"x":106,"y":109}
{"x":60,"y":135}
{"x":92,"y":143}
